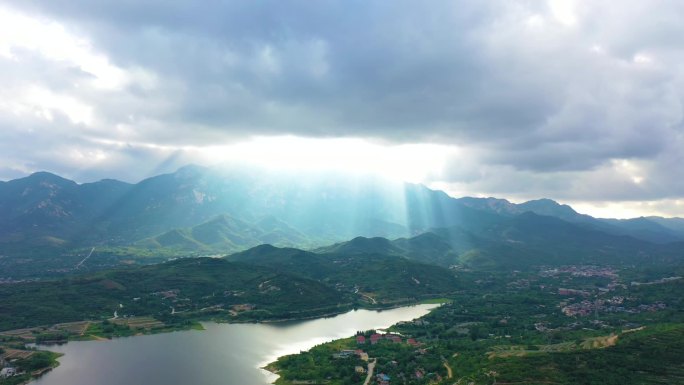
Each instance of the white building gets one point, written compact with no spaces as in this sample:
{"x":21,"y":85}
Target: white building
{"x":7,"y":372}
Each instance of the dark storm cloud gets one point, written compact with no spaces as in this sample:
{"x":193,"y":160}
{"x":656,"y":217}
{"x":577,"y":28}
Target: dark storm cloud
{"x":330,"y":68}
{"x":542,"y":97}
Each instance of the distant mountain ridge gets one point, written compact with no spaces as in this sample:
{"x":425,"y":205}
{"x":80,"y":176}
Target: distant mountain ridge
{"x":518,"y":243}
{"x":208,"y":210}
{"x":652,"y":229}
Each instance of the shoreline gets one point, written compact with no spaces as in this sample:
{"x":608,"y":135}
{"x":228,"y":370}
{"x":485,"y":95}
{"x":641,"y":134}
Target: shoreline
{"x":268,"y":370}
{"x":271,"y":369}
{"x":199,"y":320}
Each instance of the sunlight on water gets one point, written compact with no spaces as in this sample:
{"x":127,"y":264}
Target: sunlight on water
{"x":223,"y":354}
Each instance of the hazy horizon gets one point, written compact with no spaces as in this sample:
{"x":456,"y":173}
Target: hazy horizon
{"x":310,"y":173}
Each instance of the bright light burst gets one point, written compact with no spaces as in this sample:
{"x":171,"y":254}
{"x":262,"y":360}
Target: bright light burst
{"x":407,"y":162}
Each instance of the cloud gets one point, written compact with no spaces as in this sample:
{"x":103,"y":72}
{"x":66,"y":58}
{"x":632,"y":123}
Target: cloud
{"x":539,"y":97}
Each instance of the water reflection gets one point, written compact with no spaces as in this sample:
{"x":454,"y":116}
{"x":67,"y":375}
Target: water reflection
{"x":223,"y":354}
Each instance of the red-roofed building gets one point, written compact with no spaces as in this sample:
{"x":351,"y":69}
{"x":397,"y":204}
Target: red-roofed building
{"x":374,"y":338}
{"x":360,"y":339}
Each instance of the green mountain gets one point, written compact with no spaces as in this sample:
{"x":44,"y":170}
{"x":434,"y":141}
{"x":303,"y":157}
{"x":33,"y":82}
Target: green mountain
{"x":363,"y":245}
{"x":46,"y":206}
{"x":516,"y":242}
{"x":224,"y":234}
{"x":271,"y":282}
{"x":384,"y":278}
{"x":428,"y":247}
{"x":46,"y":220}
{"x":650,"y":229}
{"x":198,"y":287}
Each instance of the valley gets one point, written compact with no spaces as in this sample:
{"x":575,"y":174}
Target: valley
{"x":524,"y":287}
{"x":236,"y":192}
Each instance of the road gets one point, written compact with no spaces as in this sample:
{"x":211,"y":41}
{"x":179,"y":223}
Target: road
{"x":450,"y":373}
{"x":84,"y":259}
{"x":371,"y":368}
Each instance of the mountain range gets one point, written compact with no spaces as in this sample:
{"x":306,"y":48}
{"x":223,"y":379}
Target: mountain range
{"x":202,"y":211}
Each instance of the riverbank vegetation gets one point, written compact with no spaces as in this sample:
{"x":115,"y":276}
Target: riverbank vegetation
{"x":554,"y":324}
{"x":569,"y":325}
{"x":23,"y":364}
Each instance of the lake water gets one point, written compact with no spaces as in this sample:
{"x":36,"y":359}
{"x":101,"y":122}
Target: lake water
{"x":223,"y":354}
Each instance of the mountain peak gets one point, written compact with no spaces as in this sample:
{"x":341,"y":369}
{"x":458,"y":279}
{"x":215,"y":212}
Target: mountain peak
{"x":500,"y":206}
{"x":366,"y":240}
{"x":362,"y":245}
{"x":550,"y":207}
{"x":190,"y":171}
{"x":264,"y":248}
{"x":544,"y":201}
{"x":47,"y":177}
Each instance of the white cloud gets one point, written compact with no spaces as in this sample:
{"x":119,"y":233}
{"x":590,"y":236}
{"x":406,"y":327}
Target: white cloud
{"x":19,"y":32}
{"x":564,"y":11}
{"x":44,"y":103}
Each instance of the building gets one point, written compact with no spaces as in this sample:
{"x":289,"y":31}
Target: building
{"x":344,"y":354}
{"x":7,"y":372}
{"x":360,"y":340}
{"x":583,"y":293}
{"x":362,"y":355}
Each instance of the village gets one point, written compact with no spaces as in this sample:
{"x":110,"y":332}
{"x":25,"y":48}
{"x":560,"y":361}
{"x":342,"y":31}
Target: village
{"x":565,"y":309}
{"x":499,"y":316}
{"x":18,"y":363}
{"x":594,"y":300}
{"x":372,"y":339}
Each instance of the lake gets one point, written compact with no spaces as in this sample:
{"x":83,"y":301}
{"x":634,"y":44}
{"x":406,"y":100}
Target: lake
{"x":223,"y":354}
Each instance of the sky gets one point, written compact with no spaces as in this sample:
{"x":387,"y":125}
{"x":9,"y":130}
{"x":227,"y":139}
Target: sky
{"x":578,"y":101}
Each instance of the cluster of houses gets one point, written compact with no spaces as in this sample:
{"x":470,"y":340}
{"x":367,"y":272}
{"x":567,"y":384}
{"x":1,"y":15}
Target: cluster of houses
{"x":382,"y":379}
{"x":581,"y":271}
{"x":657,"y":282}
{"x":612,"y":305}
{"x":375,"y":338}
{"x":573,"y":292}
{"x":7,"y":372}
{"x":349,"y":353}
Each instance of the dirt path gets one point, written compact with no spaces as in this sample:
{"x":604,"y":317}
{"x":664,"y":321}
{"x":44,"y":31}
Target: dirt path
{"x":450,"y":372}
{"x":371,"y":368}
{"x":370,"y":298}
